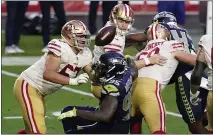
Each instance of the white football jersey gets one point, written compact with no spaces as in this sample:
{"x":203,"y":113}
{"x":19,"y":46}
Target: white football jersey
{"x":70,"y":66}
{"x":206,"y":43}
{"x":117,"y":45}
{"x":163,"y":73}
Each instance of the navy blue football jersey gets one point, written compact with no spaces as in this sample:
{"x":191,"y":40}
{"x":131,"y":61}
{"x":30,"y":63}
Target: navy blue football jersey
{"x":182,"y":35}
{"x":121,"y":89}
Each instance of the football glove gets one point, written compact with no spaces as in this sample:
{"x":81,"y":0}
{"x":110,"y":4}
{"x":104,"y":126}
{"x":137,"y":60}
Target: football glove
{"x":194,"y":98}
{"x":68,"y":114}
{"x":82,"y":78}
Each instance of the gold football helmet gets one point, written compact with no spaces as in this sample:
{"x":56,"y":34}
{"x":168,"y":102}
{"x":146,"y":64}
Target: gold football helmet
{"x":158,"y":31}
{"x":122,"y":12}
{"x":76,"y":34}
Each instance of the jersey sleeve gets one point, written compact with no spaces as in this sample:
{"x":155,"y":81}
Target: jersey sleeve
{"x":87,"y":55}
{"x":175,"y":46}
{"x":55,"y":47}
{"x":110,"y":89}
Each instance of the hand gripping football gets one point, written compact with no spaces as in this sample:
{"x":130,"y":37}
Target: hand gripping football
{"x":105,"y":35}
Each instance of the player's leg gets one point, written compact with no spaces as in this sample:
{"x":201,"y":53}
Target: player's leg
{"x":191,"y":114}
{"x":148,"y":98}
{"x":78,"y":125}
{"x":136,"y":116}
{"x":32,"y":105}
{"x":210,"y":111}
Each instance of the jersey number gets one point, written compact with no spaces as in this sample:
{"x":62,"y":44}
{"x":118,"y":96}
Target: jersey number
{"x":127,"y":102}
{"x":180,"y":36}
{"x":149,"y":54}
{"x":69,"y":68}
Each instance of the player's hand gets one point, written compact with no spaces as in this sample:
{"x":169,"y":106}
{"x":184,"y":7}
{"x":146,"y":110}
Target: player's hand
{"x":68,"y":114}
{"x":82,"y":78}
{"x":194,"y":98}
{"x":158,"y":59}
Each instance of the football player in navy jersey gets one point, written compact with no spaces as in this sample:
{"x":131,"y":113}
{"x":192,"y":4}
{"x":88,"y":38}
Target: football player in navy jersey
{"x":116,"y":73}
{"x":192,"y":114}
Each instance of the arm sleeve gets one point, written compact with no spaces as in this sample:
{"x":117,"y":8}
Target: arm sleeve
{"x":54,"y":47}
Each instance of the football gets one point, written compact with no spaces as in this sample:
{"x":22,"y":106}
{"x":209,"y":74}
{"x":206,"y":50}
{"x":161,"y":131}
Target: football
{"x":105,"y":35}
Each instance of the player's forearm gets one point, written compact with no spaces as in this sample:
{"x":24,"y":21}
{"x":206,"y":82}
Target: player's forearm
{"x":197,"y":75}
{"x":186,"y":58}
{"x":93,"y":115}
{"x":136,"y":37}
{"x":56,"y":77}
{"x":195,"y":81}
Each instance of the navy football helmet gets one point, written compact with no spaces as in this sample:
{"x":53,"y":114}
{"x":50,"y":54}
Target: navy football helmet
{"x":110,"y":65}
{"x":165,"y":17}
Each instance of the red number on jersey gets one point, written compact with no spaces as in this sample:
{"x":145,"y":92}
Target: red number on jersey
{"x":148,"y":54}
{"x":67,"y":68}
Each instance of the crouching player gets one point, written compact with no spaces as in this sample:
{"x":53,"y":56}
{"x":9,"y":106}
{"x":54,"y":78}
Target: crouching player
{"x":113,"y":113}
{"x":58,"y":67}
{"x":204,"y":59}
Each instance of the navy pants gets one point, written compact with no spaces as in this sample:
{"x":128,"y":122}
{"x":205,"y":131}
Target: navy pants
{"x":15,"y":19}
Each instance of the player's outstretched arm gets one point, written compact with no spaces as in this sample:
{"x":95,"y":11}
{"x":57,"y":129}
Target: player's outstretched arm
{"x":135,"y":38}
{"x":198,"y":71}
{"x":106,"y":112}
{"x":185,"y":57}
{"x":155,"y":59}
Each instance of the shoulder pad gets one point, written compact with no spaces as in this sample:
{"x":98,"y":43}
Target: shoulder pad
{"x":55,"y":47}
{"x":110,"y":89}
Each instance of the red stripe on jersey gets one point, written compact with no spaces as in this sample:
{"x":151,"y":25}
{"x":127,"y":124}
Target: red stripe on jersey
{"x":54,"y":48}
{"x":115,"y":45}
{"x":54,"y":45}
{"x":180,"y":46}
{"x":111,"y":49}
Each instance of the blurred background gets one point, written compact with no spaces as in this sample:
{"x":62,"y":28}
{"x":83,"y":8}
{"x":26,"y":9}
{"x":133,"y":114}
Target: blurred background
{"x":27,"y":27}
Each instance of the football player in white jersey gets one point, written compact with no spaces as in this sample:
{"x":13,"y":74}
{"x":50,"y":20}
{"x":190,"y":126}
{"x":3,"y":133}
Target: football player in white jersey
{"x":204,"y":59}
{"x":58,"y":67}
{"x":152,"y":79}
{"x":121,"y":16}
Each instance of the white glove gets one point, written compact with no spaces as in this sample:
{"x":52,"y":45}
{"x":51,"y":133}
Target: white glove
{"x":194,"y":98}
{"x":82,"y":78}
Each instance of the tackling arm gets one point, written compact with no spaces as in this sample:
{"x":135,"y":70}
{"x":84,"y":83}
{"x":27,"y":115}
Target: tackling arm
{"x":137,"y":38}
{"x":106,"y":112}
{"x":198,"y":70}
{"x":132,"y":65}
{"x":185,"y":57}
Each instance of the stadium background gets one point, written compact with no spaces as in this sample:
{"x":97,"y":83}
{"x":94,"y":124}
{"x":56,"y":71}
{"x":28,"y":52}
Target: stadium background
{"x":13,"y":65}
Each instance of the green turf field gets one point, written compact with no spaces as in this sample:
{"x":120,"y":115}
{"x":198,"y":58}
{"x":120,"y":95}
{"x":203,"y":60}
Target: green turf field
{"x":55,"y":102}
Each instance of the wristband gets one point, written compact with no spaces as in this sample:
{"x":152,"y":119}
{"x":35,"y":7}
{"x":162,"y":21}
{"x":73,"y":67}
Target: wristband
{"x":147,"y":62}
